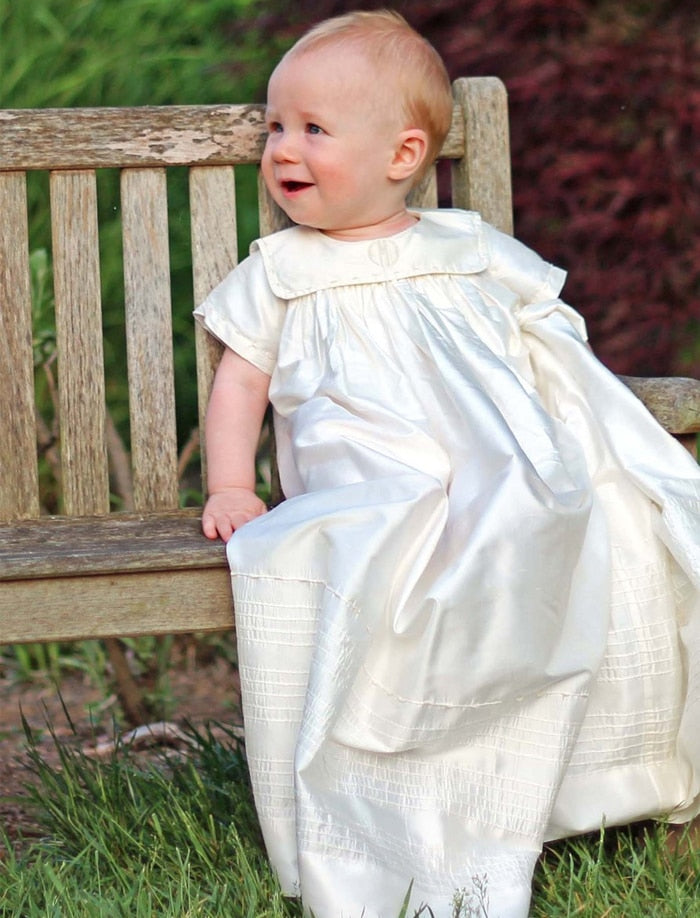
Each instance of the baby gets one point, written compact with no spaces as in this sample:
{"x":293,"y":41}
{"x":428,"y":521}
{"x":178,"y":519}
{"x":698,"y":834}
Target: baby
{"x":347,"y":175}
{"x":473,"y":589}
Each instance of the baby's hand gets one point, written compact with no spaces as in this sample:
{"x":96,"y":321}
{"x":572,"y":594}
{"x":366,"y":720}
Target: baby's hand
{"x":228,"y":510}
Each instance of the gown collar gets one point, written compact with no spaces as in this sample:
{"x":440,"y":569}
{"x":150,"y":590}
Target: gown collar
{"x":301,"y":260}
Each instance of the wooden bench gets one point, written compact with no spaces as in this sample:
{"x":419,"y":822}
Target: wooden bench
{"x":96,"y":573}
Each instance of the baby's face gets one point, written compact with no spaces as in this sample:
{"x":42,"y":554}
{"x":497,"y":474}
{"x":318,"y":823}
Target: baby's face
{"x":332,"y":137}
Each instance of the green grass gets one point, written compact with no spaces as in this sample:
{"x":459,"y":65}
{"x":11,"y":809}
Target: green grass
{"x":179,"y":837}
{"x":176,"y":838}
{"x":623,"y":873}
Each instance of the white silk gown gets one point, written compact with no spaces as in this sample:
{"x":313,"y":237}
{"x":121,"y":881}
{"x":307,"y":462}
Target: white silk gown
{"x":474,"y":625}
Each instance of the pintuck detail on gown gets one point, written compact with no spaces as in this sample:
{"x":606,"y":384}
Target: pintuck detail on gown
{"x":474,"y":624}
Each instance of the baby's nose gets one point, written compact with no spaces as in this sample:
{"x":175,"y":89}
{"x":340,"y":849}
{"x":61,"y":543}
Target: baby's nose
{"x":284,"y":149}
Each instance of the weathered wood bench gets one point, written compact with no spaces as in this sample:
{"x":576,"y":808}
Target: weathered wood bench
{"x":96,"y":573}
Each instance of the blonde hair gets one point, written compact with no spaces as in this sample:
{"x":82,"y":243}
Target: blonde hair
{"x":396,"y":50}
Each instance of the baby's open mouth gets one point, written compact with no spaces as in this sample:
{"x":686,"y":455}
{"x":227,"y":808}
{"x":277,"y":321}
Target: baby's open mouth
{"x":295,"y":186}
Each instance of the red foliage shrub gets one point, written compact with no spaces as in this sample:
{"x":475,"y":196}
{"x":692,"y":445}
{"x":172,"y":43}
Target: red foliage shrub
{"x":605,"y":133}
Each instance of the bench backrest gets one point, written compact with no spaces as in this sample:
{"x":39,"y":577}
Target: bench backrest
{"x":144,"y":143}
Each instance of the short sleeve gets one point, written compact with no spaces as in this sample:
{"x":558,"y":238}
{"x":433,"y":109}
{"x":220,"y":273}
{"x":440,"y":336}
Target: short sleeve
{"x":536,"y":283}
{"x":245,"y":315}
{"x":521,"y":269}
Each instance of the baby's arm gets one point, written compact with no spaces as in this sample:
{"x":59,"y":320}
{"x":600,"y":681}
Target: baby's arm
{"x":234,"y":418}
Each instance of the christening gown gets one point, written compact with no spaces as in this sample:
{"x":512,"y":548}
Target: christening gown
{"x":474,"y":624}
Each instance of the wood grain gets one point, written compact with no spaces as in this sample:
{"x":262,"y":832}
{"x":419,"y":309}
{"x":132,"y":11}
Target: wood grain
{"x":147,"y":136}
{"x":214,"y":254}
{"x":149,"y":338}
{"x":115,"y":605}
{"x":19,"y":487}
{"x":481,"y":178}
{"x":62,"y":546}
{"x":674,"y":401}
{"x":76,"y":272}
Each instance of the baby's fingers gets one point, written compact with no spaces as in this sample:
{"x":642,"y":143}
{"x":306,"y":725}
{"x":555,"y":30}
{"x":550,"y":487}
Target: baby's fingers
{"x":214,"y":527}
{"x":223,"y":523}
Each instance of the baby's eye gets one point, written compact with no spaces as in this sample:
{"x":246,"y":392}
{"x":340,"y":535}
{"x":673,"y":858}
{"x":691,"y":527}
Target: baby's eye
{"x":314,"y":129}
{"x":274,"y":127}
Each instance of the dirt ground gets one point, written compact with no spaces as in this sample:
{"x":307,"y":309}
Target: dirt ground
{"x":202,"y":694}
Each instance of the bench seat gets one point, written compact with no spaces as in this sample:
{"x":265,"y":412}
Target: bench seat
{"x":67,"y":578}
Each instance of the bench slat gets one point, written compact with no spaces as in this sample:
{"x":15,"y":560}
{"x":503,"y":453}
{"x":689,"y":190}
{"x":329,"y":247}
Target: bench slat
{"x":76,"y":270}
{"x":123,"y":605}
{"x":149,"y":338}
{"x":481,"y":178}
{"x":150,"y":135}
{"x":214,"y":229}
{"x":119,"y":542}
{"x":19,"y":488}
{"x":214,"y":254}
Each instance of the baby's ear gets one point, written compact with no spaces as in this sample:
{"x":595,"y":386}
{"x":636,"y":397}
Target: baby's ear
{"x":409,"y":154}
